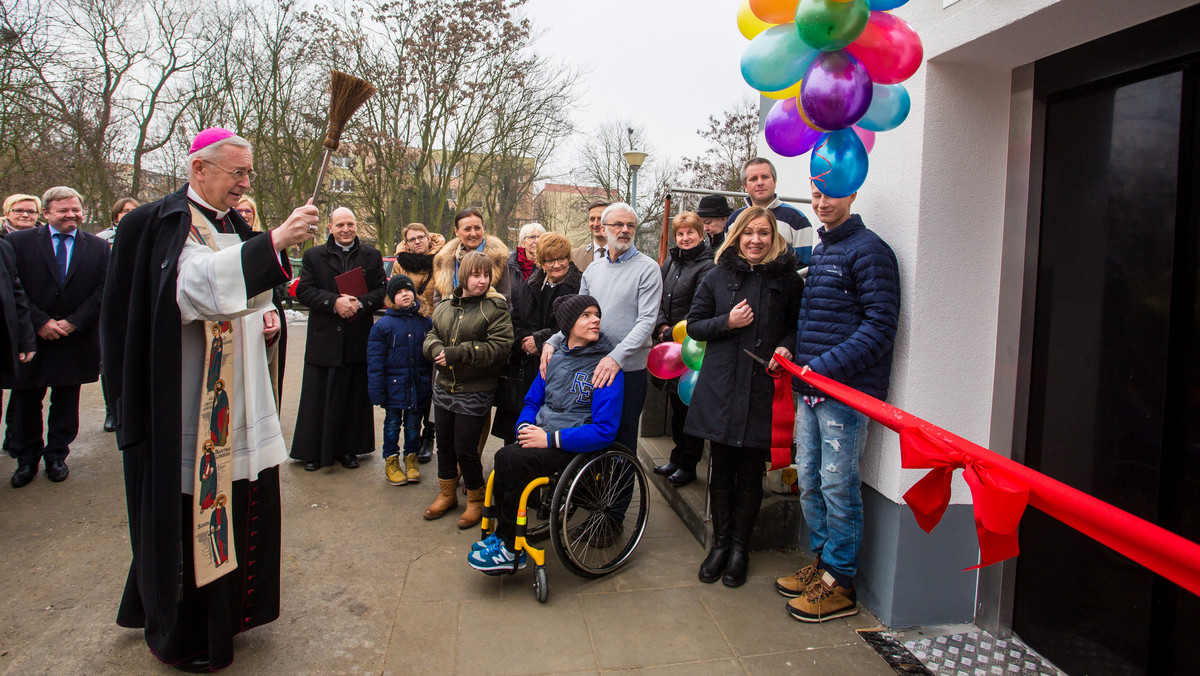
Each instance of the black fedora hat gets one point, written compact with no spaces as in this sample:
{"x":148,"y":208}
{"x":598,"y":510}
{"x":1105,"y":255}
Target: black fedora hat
{"x":713,"y":206}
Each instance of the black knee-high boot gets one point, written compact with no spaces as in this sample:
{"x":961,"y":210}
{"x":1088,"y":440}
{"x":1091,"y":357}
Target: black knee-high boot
{"x":721,"y":503}
{"x":110,"y":423}
{"x":745,"y":512}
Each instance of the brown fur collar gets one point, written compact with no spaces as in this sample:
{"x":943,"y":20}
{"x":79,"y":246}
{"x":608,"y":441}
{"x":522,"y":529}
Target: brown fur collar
{"x":443,"y":263}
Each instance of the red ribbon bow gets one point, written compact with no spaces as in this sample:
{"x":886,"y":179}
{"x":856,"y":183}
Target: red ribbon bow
{"x":999,"y":504}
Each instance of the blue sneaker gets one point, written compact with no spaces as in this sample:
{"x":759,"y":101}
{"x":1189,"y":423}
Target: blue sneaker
{"x":496,"y":558}
{"x":485,"y":543}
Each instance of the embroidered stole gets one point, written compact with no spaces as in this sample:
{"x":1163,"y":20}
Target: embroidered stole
{"x":212,"y":527}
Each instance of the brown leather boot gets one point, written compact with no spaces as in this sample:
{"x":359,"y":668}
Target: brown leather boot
{"x":474,"y":512}
{"x":446,"y":499}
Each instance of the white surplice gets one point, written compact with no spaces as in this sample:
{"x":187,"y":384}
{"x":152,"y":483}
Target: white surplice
{"x":211,"y":287}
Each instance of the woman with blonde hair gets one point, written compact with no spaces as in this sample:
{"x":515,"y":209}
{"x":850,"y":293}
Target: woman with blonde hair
{"x":748,"y":303}
{"x":21,"y":212}
{"x":468,"y":344}
{"x":247,"y":208}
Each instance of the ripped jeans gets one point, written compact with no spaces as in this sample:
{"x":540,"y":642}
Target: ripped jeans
{"x":830,"y":438}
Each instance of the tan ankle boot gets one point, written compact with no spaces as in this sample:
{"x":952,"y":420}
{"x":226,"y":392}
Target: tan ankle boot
{"x":446,"y":499}
{"x":474,"y":512}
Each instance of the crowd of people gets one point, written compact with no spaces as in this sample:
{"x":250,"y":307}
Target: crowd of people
{"x":544,"y":346}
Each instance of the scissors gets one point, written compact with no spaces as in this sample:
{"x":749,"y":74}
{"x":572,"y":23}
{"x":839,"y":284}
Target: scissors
{"x":774,"y":373}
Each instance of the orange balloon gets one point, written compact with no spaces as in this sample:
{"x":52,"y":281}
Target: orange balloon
{"x":748,"y":24}
{"x":774,"y":11}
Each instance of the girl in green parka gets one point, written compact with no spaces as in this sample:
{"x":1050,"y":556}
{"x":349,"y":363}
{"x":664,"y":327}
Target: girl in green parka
{"x":470,"y":341}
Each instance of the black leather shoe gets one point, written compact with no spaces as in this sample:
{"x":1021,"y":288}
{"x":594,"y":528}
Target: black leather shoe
{"x":681,"y":478}
{"x":349,"y":461}
{"x":196,"y":665}
{"x":714,"y":564}
{"x":110,"y":423}
{"x":735,"y":569}
{"x":23,"y":475}
{"x":666,"y":470}
{"x":56,"y":470}
{"x":425,"y":453}
{"x":312,"y":466}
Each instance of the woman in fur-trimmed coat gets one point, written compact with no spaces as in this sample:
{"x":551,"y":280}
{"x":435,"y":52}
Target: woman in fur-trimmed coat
{"x":469,"y":236}
{"x":416,"y":261}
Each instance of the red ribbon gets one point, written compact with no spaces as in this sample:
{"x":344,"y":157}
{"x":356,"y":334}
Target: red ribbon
{"x":783,"y":422}
{"x":1000,"y":489}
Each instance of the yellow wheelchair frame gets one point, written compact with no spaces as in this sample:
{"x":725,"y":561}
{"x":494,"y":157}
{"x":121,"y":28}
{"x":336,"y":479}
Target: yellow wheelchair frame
{"x":626,"y":482}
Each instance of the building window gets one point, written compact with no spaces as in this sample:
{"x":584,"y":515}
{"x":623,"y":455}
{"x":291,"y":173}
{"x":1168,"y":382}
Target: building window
{"x":341,"y":185}
{"x":438,"y":169}
{"x":452,"y":194}
{"x":343,"y":162}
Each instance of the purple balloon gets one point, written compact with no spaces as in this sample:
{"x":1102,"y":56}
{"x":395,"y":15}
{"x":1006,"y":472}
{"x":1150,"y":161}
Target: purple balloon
{"x":836,"y":91}
{"x":786,"y":131}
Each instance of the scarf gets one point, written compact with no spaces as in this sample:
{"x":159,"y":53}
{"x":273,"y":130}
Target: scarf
{"x":524,"y":262}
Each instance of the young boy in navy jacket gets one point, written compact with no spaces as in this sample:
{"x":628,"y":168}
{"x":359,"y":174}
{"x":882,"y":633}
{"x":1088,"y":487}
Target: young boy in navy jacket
{"x":400,"y":378}
{"x":563,"y":415}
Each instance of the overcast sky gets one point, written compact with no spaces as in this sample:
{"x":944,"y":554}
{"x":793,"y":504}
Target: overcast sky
{"x":665,"y":64}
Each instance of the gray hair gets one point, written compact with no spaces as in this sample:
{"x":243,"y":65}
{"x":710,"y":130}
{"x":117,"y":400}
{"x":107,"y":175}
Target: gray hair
{"x":209,"y":152}
{"x":617,"y":207}
{"x":59,"y":192}
{"x":758,"y":160}
{"x":530,"y":229}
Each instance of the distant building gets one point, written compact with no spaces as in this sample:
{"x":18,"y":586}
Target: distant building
{"x":563,"y":208}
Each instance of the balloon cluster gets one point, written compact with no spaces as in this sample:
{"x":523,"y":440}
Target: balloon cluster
{"x":679,"y":358}
{"x":835,"y":68}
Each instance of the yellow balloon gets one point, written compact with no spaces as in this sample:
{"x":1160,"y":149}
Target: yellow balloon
{"x":789,"y":93}
{"x":749,"y":24}
{"x":679,"y":332}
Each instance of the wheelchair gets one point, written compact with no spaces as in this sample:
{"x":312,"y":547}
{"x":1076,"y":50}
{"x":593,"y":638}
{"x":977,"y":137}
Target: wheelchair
{"x":594,"y":511}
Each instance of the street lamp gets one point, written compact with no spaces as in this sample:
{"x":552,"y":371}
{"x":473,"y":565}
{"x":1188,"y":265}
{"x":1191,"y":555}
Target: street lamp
{"x":635,"y":160}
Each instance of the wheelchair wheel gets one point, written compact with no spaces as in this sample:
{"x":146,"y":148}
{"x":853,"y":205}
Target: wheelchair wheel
{"x":599,"y":511}
{"x":541,"y":587}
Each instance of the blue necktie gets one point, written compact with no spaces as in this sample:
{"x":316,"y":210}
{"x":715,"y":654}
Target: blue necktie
{"x":60,"y":255}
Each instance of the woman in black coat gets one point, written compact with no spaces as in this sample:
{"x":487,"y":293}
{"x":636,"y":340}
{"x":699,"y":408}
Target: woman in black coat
{"x":750,"y":301}
{"x":533,"y":322}
{"x":688,"y":263}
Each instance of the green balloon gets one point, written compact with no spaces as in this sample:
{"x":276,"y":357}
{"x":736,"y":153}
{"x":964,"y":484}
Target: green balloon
{"x":829,"y":25}
{"x":693,"y":353}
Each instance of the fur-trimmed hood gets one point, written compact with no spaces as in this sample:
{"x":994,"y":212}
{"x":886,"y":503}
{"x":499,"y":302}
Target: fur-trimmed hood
{"x":443,"y":263}
{"x":436,"y":242}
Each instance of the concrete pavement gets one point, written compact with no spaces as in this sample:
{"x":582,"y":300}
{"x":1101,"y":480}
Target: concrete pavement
{"x":370,"y":587}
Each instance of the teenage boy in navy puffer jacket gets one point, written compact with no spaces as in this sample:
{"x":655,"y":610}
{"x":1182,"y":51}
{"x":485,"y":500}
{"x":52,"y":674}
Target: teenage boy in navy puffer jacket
{"x":400,"y":378}
{"x":564,"y":415}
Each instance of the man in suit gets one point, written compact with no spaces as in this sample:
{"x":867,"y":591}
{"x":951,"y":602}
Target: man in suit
{"x":62,"y":269}
{"x":583,"y":255}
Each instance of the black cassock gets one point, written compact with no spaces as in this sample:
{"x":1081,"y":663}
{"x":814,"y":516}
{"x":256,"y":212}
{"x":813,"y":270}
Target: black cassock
{"x":140,"y":329}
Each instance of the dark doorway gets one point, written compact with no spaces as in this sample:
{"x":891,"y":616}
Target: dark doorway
{"x":1115,"y":375}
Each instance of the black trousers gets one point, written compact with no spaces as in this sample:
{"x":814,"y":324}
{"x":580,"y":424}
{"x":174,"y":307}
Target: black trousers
{"x":458,"y":446}
{"x":25,"y":441}
{"x":688,"y":449}
{"x":515,"y":468}
{"x":738,"y":469}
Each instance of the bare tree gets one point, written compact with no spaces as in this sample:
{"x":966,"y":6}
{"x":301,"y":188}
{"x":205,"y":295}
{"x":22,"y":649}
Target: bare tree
{"x":732,"y":140}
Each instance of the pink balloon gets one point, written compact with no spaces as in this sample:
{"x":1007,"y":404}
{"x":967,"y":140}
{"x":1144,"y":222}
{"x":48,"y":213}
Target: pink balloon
{"x":666,"y":361}
{"x":866,"y":136}
{"x":889,"y":48}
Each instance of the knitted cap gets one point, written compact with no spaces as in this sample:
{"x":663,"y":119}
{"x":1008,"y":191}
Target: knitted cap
{"x":568,"y":308}
{"x":208,"y":137}
{"x":395,"y":284}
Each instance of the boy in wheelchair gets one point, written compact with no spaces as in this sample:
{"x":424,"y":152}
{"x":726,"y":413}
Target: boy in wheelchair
{"x":563,"y":416}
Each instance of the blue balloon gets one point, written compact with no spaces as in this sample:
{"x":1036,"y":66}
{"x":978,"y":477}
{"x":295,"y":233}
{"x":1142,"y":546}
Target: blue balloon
{"x":687,"y":386}
{"x":885,"y":5}
{"x":776,"y":59}
{"x":889,"y":107}
{"x":838,"y":165}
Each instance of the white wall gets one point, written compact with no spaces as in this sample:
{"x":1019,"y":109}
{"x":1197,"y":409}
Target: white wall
{"x":936,"y":193}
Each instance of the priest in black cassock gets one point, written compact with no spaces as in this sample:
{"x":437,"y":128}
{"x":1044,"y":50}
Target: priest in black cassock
{"x":177,"y":264}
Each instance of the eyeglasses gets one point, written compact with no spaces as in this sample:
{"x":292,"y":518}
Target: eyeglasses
{"x":237,"y":174}
{"x":622,"y":226}
{"x":414,"y":240}
{"x":23,"y":212}
{"x":529,"y":237}
{"x":556,"y":262}
{"x":245,"y":212}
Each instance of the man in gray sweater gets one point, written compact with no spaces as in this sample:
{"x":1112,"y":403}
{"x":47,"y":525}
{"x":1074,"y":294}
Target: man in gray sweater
{"x":628,"y":285}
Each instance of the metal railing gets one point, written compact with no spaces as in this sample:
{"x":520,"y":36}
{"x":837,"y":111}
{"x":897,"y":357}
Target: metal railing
{"x":666,"y":227}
